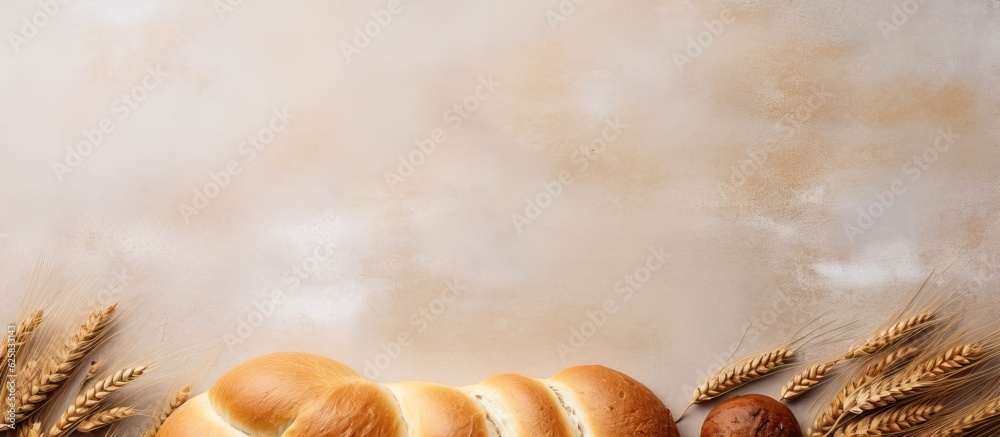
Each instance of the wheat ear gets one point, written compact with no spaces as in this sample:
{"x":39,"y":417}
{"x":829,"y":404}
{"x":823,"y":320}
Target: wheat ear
{"x":22,"y":333}
{"x":26,"y":327}
{"x":891,"y":361}
{"x":824,"y":423}
{"x":87,"y":402}
{"x":748,"y":370}
{"x":104,"y":418}
{"x":988,"y":413}
{"x":79,"y":345}
{"x":890,"y":335}
{"x":811,"y":376}
{"x":179,"y":398}
{"x":919,"y":380}
{"x":807,"y":379}
{"x":737,"y":375}
{"x":91,"y":372}
{"x":893,"y":421}
{"x":21,"y":336}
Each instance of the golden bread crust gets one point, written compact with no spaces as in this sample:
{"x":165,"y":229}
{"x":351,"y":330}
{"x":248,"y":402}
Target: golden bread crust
{"x":617,"y":405}
{"x":302,"y":395}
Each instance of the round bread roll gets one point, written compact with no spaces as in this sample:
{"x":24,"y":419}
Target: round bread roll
{"x":751,"y":416}
{"x":301,"y":395}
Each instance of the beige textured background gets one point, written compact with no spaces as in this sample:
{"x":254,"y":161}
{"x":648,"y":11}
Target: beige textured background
{"x":744,"y":167}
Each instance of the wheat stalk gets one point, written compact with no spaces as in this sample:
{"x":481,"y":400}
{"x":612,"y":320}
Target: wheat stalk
{"x":807,"y":379}
{"x":894,"y":420}
{"x":179,"y":398}
{"x":988,"y":412}
{"x":919,"y":380}
{"x":824,"y":423}
{"x":104,"y":418}
{"x":91,"y":399}
{"x":79,"y":345}
{"x":890,"y":335}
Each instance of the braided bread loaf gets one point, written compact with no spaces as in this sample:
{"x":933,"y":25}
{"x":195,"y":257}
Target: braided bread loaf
{"x":301,"y":395}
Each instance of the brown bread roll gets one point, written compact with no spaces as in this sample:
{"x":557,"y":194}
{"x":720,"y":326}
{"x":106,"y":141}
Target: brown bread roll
{"x":751,"y":416}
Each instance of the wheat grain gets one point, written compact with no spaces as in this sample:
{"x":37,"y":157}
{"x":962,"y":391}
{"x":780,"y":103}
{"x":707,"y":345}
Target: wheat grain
{"x":891,"y":335}
{"x":824,"y":423}
{"x":30,"y":430}
{"x":39,"y":388}
{"x":104,"y":418}
{"x":91,"y":399}
{"x":807,"y":379}
{"x":179,"y":398}
{"x":917,"y":381}
{"x":31,"y":368}
{"x":893,"y":421}
{"x":987,"y":413}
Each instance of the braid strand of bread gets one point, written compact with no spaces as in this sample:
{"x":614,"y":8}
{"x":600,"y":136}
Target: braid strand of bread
{"x":293,"y":394}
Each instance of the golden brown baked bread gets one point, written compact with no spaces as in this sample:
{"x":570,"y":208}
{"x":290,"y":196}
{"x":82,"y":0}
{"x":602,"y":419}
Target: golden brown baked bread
{"x":302,"y":395}
{"x":751,"y":416}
